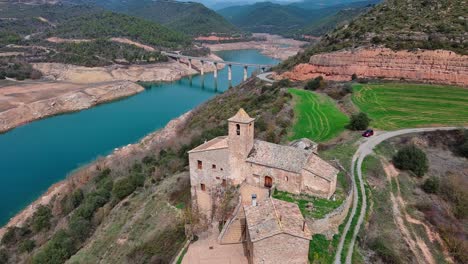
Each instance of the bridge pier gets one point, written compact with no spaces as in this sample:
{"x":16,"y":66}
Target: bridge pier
{"x":263,"y":69}
{"x":190,"y":63}
{"x":245,"y":72}
{"x":215,"y":70}
{"x":202,"y":70}
{"x":229,"y":72}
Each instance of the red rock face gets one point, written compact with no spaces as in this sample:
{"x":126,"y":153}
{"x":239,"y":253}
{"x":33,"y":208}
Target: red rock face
{"x":438,"y":66}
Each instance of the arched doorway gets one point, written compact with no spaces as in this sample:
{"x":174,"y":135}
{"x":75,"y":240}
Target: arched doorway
{"x":268,"y":181}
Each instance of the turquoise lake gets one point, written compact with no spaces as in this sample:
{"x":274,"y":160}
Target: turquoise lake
{"x":39,"y":154}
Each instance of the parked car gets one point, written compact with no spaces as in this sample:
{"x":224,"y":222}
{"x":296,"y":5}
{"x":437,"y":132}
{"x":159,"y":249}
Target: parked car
{"x":368,"y":133}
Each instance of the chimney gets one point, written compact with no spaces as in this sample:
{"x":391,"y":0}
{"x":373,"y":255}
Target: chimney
{"x":254,"y":199}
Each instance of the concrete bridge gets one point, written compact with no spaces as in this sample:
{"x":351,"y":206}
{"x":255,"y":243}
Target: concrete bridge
{"x":178,"y":57}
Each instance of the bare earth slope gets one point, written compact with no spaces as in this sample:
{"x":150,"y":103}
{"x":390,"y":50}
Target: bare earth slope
{"x":431,"y":66}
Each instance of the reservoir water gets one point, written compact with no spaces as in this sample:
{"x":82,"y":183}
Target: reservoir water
{"x":36,"y":155}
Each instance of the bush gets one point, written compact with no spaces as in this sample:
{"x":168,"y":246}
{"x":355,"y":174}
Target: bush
{"x":27,"y":246}
{"x":315,"y":84}
{"x":283,"y":83}
{"x":431,"y":185}
{"x":463,"y":149}
{"x":76,"y":198}
{"x":359,"y":121}
{"x":413,"y":159}
{"x":354,"y":77}
{"x":79,"y":228}
{"x":57,"y":250}
{"x":41,"y":218}
{"x":9,"y":238}
{"x":3,"y":255}
{"x":123,"y":188}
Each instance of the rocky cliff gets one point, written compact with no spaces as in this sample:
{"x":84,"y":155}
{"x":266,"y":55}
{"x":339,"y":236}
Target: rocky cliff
{"x":437,"y":66}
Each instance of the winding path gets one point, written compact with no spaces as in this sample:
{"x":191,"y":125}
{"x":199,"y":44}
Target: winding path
{"x":264,"y":77}
{"x":366,"y":148}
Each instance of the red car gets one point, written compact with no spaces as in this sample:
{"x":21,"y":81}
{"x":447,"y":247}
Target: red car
{"x":368,"y":133}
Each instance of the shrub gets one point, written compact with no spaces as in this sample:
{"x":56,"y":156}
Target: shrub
{"x":463,"y":149}
{"x":283,"y":83}
{"x":76,"y":198}
{"x":57,"y":250}
{"x":315,"y":84}
{"x":354,"y":77}
{"x":123,"y":188}
{"x":27,"y":245}
{"x":9,"y":238}
{"x":3,"y":256}
{"x":431,"y":185}
{"x":41,"y":218}
{"x":359,"y":121}
{"x":413,"y":159}
{"x":79,"y":228}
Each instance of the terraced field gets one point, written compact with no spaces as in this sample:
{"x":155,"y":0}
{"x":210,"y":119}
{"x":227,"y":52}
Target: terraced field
{"x":393,"y":105}
{"x":317,"y":116}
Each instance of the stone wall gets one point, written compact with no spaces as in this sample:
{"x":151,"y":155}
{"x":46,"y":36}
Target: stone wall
{"x":317,"y":186}
{"x":282,"y":180}
{"x":431,"y":66}
{"x":328,"y":225}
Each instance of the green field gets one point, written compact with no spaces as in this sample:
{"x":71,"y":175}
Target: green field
{"x":394,"y":105}
{"x":317,"y":116}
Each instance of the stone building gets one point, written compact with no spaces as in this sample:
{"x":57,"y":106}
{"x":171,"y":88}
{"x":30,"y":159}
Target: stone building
{"x":276,"y":233}
{"x":239,"y":158}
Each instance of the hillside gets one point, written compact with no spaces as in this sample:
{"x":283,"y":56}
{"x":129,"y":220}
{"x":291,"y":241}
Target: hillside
{"x":399,"y":25}
{"x":35,"y":32}
{"x":130,"y":206}
{"x":188,"y":17}
{"x":290,"y":19}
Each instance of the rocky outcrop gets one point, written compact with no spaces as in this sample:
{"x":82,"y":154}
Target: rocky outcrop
{"x":78,"y":99}
{"x":437,"y":66}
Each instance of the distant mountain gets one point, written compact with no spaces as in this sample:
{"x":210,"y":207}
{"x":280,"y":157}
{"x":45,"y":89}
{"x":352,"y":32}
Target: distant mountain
{"x":328,"y":23}
{"x":319,"y":4}
{"x":188,"y":17}
{"x":282,"y":19}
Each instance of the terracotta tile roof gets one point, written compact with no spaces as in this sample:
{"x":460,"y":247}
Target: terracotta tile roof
{"x":278,"y":156}
{"x":215,"y":143}
{"x":272,"y":217}
{"x":321,"y":168}
{"x":241,"y":117}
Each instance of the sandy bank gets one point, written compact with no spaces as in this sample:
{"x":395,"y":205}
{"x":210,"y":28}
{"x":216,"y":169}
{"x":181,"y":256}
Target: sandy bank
{"x":82,"y":176}
{"x":23,"y":103}
{"x":274,"y":46}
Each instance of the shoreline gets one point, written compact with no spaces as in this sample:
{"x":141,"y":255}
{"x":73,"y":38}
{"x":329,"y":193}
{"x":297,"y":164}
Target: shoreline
{"x":82,"y":175}
{"x":157,"y":137}
{"x":73,"y":88}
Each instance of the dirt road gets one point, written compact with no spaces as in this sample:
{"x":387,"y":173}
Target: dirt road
{"x":365,"y":148}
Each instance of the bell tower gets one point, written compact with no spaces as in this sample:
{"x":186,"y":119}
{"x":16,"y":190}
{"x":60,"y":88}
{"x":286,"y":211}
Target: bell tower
{"x":240,"y":142}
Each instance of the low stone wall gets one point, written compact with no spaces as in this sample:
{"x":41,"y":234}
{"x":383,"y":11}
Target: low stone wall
{"x":328,"y":225}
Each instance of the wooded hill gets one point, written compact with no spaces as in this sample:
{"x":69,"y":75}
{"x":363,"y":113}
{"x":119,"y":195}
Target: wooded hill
{"x":290,"y":20}
{"x":188,"y":17}
{"x":399,"y":25}
{"x":29,"y":26}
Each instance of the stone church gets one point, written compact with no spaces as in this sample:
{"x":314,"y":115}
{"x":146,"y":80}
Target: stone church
{"x":239,"y":158}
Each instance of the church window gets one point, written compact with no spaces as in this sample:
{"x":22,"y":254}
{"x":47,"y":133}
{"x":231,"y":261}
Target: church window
{"x":202,"y":186}
{"x":200,"y":164}
{"x":286,"y":178}
{"x":213,"y":166}
{"x":238,"y":129}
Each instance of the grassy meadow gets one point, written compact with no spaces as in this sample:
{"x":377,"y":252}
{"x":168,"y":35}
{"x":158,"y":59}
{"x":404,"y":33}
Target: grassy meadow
{"x":394,"y":105}
{"x":317,"y":116}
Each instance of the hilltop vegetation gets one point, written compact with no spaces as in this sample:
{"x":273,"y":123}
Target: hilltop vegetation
{"x":290,"y":20}
{"x":399,"y":25}
{"x":107,"y":24}
{"x":29,"y":27}
{"x":188,"y":17}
